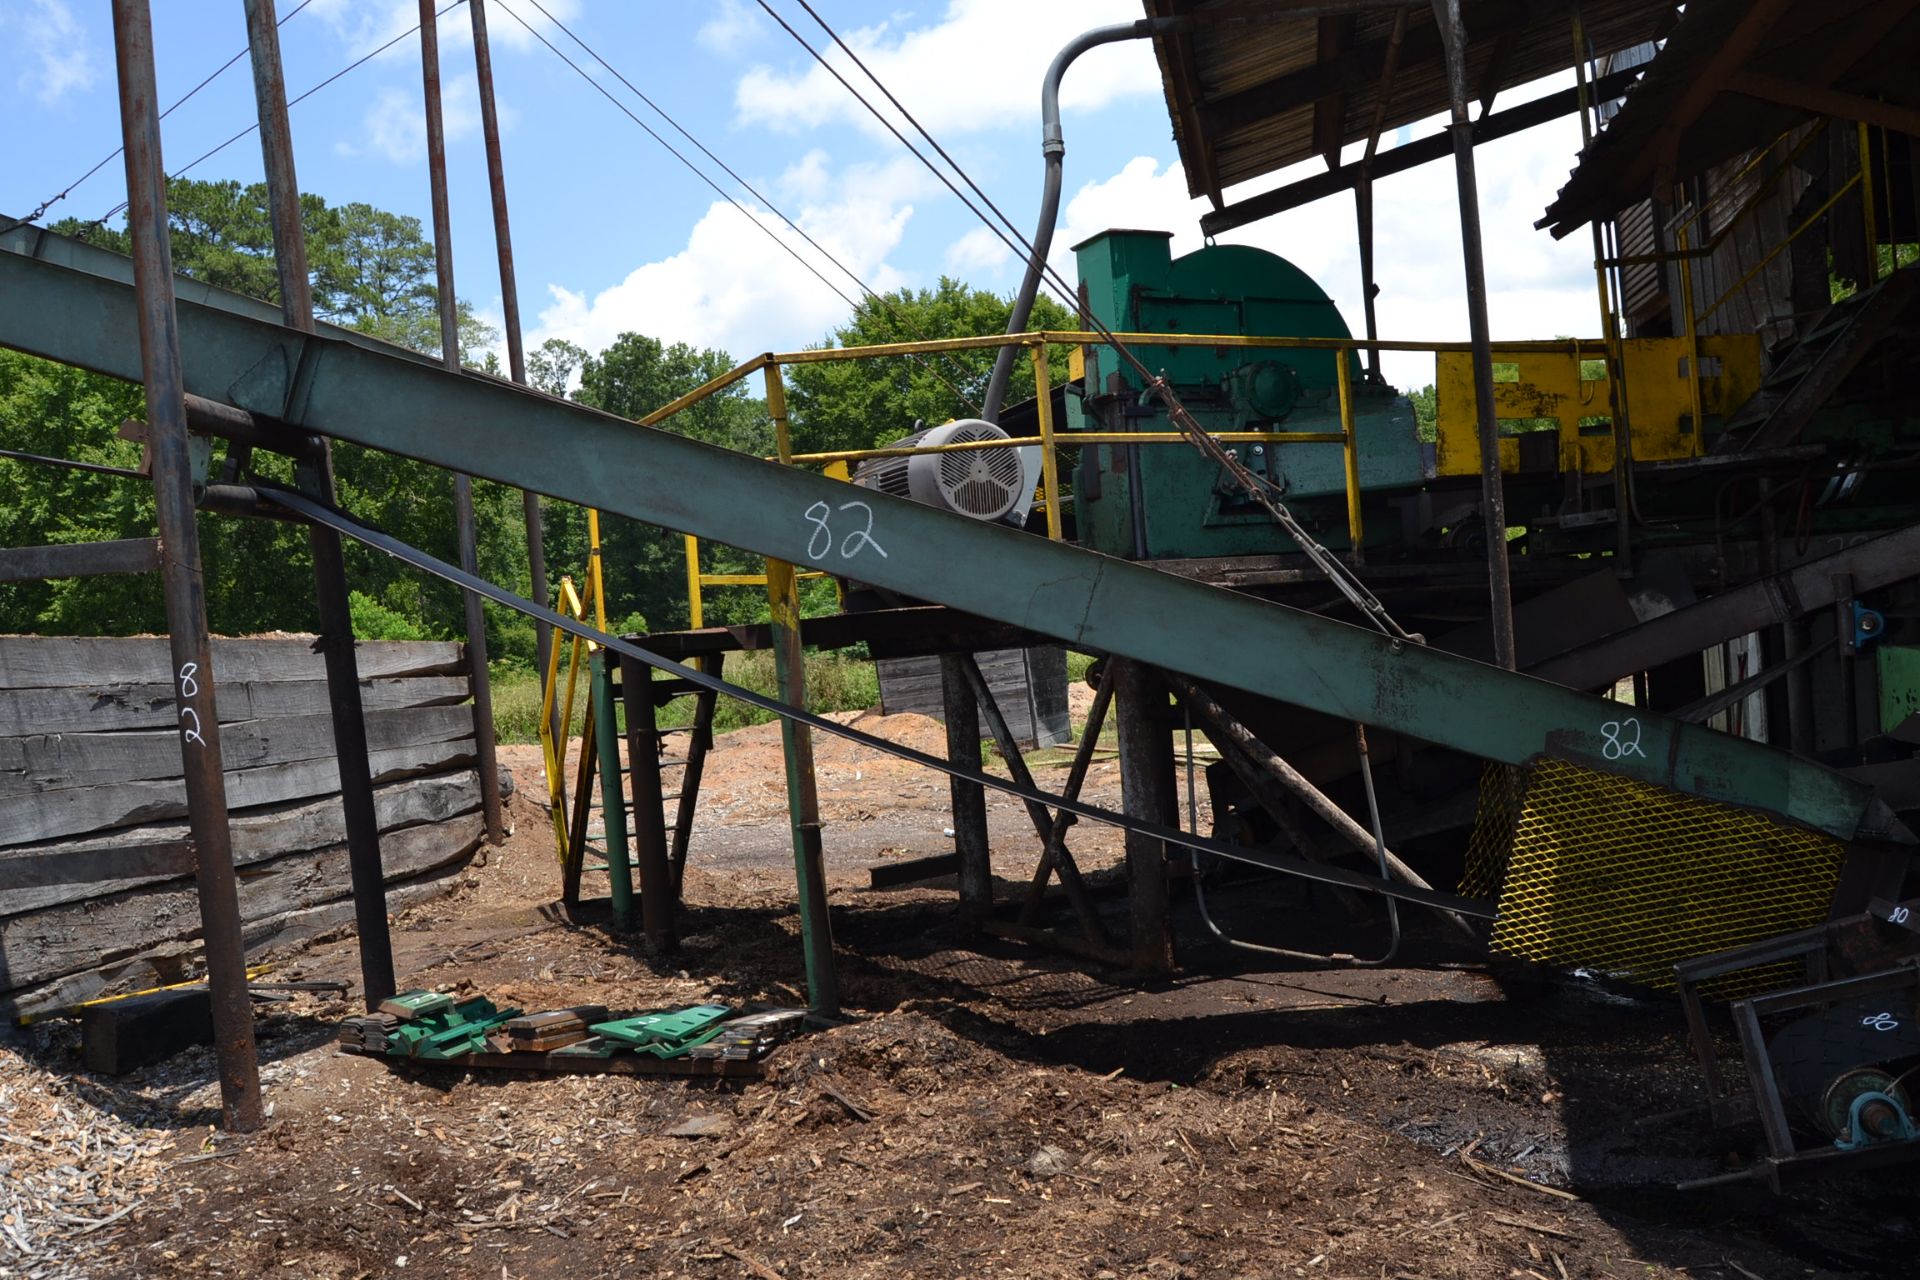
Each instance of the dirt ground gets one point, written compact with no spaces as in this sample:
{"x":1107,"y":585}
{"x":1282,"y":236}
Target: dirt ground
{"x":986,"y":1109}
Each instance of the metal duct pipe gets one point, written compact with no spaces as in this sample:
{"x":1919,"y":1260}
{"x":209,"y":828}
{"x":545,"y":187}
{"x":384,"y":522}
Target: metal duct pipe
{"x":1053,"y":147}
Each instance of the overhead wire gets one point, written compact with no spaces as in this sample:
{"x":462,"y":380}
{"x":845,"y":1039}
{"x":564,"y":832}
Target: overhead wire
{"x":1261,"y":490}
{"x":902,"y":138}
{"x":355,"y":65}
{"x":41,"y":210}
{"x":908,"y":115}
{"x":880,"y":299}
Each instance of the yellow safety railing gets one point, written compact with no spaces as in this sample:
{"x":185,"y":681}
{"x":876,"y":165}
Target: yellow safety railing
{"x":772,"y":365}
{"x":554,"y":735}
{"x":1684,"y":229}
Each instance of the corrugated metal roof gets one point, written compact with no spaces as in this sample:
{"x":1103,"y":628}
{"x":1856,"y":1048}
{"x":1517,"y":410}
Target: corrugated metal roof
{"x":1252,"y":89}
{"x":1682,"y":118}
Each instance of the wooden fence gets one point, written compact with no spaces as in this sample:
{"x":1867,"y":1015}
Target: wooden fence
{"x":96,"y":885}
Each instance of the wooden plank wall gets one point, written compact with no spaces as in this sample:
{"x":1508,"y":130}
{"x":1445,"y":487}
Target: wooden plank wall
{"x":1029,"y":684}
{"x":96,"y":893}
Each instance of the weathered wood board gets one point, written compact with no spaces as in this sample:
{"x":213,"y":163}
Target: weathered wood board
{"x":178,"y":961}
{"x":52,"y":761}
{"x":1029,"y":684}
{"x":103,"y":707}
{"x":39,"y":946}
{"x":258,"y":834}
{"x":58,"y":662}
{"x":90,"y":767}
{"x":38,"y":816}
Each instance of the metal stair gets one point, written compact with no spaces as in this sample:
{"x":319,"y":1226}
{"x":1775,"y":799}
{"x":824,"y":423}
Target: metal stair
{"x":1815,"y":369}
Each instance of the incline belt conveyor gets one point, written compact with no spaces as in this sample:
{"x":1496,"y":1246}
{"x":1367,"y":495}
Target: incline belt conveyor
{"x":74,"y":303}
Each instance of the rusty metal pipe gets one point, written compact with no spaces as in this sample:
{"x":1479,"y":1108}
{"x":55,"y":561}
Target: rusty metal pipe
{"x":210,"y":417}
{"x":1493,"y":498}
{"x":510,"y":312}
{"x":185,"y":589}
{"x":1234,"y":736}
{"x":476,"y":618}
{"x":332,"y":599}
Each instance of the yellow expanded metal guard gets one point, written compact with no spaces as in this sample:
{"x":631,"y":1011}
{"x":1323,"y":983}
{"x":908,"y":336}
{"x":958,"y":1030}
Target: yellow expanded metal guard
{"x":1626,"y":877}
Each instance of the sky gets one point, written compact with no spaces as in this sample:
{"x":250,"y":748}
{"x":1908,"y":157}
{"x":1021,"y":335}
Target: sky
{"x":611,"y":233}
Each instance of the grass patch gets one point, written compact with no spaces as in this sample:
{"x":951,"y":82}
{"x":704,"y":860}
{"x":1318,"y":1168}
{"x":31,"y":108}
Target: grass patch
{"x":516,"y":704}
{"x":835,"y":682}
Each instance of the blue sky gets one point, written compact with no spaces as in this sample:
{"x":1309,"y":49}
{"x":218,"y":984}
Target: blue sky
{"x":612,"y":233}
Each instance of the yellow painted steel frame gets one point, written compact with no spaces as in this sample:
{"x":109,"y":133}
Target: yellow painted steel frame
{"x":1660,"y":396}
{"x":836,"y":462}
{"x":553,"y":749}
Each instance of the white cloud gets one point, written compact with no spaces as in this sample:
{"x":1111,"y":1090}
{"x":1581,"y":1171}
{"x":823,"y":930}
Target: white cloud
{"x":364,"y":25}
{"x":394,"y":124}
{"x":734,"y":24}
{"x":978,"y":68}
{"x":979,"y":249}
{"x":57,"y":58}
{"x":807,"y":178}
{"x":1537,"y":287}
{"x":732,"y":287}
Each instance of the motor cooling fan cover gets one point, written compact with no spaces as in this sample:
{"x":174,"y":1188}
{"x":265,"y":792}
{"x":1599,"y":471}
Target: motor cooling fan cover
{"x":985,"y":484}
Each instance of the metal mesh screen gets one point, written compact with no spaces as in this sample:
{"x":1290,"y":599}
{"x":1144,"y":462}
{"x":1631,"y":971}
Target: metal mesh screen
{"x":1627,"y":877}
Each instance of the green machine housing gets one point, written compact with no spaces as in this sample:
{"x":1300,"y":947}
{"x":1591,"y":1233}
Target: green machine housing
{"x":1167,"y":501}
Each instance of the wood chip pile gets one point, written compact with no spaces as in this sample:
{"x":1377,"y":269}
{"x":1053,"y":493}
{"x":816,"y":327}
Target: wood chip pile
{"x":68,"y":1169}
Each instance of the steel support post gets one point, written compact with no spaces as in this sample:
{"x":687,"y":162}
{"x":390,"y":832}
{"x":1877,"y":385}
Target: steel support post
{"x":315,"y":473}
{"x":1369,"y":291}
{"x":186,"y":605}
{"x":1843,"y":630}
{"x":970,"y":842}
{"x":613,"y":793}
{"x":1148,"y":790}
{"x":476,"y":618}
{"x":796,"y":741}
{"x":803,"y":797}
{"x":510,"y":310}
{"x":649,"y":808}
{"x":1492,"y":490}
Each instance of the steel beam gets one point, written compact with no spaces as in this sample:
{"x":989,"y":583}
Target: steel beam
{"x":1394,"y":160}
{"x":650,"y":857}
{"x":613,"y":792}
{"x":1784,"y":597}
{"x":803,"y":795}
{"x":1089,"y":601}
{"x":1147,"y":791}
{"x":150,"y":328}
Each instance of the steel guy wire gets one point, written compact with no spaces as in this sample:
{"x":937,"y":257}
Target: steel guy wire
{"x":40,"y":211}
{"x":1344,"y":579}
{"x":355,"y":65}
{"x":900,"y":321}
{"x":702,"y":175}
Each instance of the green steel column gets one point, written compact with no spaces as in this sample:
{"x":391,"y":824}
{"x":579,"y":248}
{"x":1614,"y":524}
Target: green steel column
{"x":803,"y":797}
{"x":796,"y":741}
{"x":613,"y":795}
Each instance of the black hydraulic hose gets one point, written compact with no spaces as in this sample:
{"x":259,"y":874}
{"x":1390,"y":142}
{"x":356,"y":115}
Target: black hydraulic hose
{"x":1053,"y":147}
{"x":307,"y":508}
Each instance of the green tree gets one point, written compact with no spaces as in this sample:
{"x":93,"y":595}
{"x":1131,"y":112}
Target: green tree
{"x":372,"y":270}
{"x":861,"y":404}
{"x":644,"y":566}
